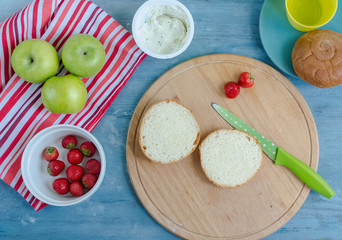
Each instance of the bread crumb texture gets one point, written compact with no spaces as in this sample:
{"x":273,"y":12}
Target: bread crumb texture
{"x":169,"y":132}
{"x":230,"y":157}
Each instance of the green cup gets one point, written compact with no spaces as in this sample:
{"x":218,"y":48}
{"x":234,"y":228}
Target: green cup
{"x":307,"y":15}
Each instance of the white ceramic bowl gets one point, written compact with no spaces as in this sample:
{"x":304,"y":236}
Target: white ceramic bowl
{"x":140,"y":18}
{"x":34,"y":167}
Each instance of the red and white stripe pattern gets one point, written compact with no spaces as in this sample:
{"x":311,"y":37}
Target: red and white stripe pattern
{"x":22,"y":113}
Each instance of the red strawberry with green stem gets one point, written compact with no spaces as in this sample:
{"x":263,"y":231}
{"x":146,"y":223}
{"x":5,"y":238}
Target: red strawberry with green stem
{"x":55,"y":167}
{"x":89,"y":180}
{"x":88,"y":149}
{"x":50,"y":153}
{"x":246,"y":80}
{"x":69,"y":142}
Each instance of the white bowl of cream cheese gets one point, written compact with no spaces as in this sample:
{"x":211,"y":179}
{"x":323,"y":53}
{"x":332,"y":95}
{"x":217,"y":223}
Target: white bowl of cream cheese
{"x":163,"y":28}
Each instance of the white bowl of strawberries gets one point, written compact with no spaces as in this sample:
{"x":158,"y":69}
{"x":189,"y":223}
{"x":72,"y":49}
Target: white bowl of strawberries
{"x":63,"y":165}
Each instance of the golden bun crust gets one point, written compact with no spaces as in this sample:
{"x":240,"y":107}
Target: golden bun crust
{"x":317,"y":58}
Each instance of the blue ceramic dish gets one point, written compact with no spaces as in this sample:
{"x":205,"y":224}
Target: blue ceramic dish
{"x":278,"y":37}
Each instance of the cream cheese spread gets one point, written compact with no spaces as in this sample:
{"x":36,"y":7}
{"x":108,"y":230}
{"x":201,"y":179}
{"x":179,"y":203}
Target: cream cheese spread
{"x":166,"y":29}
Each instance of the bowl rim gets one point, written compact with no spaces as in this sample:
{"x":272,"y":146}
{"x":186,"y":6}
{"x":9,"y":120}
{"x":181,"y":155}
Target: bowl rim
{"x":140,"y":43}
{"x":25,"y":169}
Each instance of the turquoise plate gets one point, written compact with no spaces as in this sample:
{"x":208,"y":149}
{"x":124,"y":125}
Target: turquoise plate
{"x":278,"y":36}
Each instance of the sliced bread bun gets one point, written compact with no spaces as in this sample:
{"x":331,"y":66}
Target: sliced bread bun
{"x":230,"y":158}
{"x":169,"y":132}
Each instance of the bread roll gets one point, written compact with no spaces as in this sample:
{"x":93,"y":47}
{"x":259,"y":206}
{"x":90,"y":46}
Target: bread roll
{"x":230,"y":158}
{"x":317,"y":58}
{"x":169,"y":132}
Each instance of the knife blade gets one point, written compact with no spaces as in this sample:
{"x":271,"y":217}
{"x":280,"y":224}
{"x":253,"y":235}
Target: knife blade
{"x":279,"y":155}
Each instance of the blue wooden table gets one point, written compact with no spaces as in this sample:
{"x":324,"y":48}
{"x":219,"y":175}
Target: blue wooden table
{"x":114,"y":212}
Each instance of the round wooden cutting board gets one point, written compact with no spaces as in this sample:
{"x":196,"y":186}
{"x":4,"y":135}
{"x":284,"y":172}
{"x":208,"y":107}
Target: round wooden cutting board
{"x":180,"y":197}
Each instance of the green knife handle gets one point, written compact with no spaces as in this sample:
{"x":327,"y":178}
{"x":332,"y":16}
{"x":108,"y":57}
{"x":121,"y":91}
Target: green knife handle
{"x":304,"y":172}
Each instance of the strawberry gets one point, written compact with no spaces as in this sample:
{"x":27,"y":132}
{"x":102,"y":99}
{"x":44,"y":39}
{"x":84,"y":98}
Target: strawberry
{"x":231,"y":89}
{"x":61,"y":186}
{"x":93,"y":166}
{"x":76,"y":188}
{"x":89,"y":180}
{"x":88,"y":149}
{"x":69,"y":142}
{"x":55,"y":167}
{"x":246,"y":80}
{"x":74,"y":172}
{"x":50,"y":153}
{"x":75,"y":156}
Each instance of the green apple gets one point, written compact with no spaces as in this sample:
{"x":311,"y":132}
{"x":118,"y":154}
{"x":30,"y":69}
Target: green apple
{"x":35,"y":60}
{"x":66,"y":94}
{"x":83,"y":55}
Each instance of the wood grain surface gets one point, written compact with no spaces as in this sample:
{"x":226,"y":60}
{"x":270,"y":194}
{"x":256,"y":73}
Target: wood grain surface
{"x":180,"y":197}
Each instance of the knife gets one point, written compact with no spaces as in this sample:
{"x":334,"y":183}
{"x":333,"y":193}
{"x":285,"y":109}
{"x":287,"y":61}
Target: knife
{"x":279,"y":155}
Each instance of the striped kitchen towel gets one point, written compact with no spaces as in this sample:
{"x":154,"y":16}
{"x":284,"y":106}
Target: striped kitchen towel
{"x":22,"y":113}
